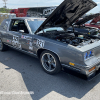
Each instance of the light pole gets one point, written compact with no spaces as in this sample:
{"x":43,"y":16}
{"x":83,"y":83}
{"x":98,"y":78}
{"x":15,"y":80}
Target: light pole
{"x":5,"y":2}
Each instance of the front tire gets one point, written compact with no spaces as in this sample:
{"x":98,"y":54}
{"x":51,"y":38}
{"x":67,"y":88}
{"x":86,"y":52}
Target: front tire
{"x":50,"y":62}
{"x":3,"y":47}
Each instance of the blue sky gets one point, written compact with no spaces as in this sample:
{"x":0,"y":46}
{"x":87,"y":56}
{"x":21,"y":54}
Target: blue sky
{"x":31,"y":3}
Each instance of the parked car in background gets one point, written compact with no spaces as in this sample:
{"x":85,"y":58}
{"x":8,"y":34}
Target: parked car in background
{"x":82,"y":25}
{"x":95,"y":22}
{"x":6,"y":16}
{"x":14,"y":11}
{"x":49,"y":40}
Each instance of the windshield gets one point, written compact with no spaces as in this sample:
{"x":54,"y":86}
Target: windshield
{"x":35,"y":24}
{"x":98,"y":23}
{"x":89,"y":22}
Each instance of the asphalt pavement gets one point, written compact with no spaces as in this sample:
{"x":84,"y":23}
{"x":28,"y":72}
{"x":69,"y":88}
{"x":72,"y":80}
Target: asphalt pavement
{"x":22,"y":78}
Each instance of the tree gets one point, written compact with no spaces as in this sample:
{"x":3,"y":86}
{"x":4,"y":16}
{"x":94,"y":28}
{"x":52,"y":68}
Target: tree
{"x":3,"y":10}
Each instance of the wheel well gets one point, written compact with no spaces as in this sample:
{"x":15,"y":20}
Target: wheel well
{"x":41,"y":50}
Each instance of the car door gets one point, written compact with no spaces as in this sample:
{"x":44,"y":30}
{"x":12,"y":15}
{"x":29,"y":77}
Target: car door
{"x":19,"y":33}
{"x":26,"y":42}
{"x":26,"y":37}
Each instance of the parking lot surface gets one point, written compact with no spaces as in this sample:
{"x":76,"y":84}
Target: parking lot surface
{"x":21,"y":73}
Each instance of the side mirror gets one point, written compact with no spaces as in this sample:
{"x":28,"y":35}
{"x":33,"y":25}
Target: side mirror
{"x":21,"y":31}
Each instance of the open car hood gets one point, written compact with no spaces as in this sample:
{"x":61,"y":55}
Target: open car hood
{"x":95,"y":18}
{"x":67,"y":13}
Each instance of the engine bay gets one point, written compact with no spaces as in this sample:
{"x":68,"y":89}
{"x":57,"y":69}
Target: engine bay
{"x":75,"y":38}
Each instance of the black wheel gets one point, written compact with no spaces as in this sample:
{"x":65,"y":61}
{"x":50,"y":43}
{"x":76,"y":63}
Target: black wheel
{"x":3,"y":47}
{"x":50,"y":62}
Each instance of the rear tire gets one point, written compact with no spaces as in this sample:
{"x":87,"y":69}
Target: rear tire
{"x":50,"y":62}
{"x":3,"y":47}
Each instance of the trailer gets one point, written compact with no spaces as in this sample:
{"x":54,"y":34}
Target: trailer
{"x":34,"y":11}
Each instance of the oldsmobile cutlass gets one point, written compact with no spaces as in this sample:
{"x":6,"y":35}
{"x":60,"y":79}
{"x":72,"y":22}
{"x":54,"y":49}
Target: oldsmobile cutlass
{"x":49,"y":40}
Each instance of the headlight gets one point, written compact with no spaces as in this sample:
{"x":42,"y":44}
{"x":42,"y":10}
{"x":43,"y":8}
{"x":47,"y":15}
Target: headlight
{"x":85,"y":56}
{"x":88,"y":55}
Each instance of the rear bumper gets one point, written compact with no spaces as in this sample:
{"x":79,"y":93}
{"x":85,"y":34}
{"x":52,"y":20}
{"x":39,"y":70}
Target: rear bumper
{"x":80,"y":75}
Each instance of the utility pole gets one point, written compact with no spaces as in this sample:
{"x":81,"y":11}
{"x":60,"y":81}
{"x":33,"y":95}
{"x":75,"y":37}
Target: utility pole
{"x":5,"y":2}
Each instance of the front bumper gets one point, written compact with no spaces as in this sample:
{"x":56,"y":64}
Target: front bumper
{"x":78,"y":73}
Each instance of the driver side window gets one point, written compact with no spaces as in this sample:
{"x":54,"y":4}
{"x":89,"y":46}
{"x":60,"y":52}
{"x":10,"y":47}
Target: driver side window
{"x":18,"y":25}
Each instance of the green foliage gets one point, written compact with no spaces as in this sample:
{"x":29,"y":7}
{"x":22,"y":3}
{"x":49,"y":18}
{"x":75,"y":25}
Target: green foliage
{"x":3,"y":10}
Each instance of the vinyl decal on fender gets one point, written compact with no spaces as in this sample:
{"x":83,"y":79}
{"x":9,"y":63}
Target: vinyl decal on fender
{"x":40,"y":43}
{"x":15,"y":42}
{"x":30,"y":46}
{"x":9,"y":41}
{"x":26,"y":37}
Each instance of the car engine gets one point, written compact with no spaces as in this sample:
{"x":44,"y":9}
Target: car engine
{"x":74,"y":39}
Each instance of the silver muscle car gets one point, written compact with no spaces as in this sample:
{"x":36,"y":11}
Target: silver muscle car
{"x":49,"y":40}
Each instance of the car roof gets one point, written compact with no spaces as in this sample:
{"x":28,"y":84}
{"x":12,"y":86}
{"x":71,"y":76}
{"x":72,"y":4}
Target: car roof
{"x":27,"y":18}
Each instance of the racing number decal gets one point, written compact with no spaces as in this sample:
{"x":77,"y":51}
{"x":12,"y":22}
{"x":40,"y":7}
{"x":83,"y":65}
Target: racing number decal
{"x":15,"y":42}
{"x":40,"y":43}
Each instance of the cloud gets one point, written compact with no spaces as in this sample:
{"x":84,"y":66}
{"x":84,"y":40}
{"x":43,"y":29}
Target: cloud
{"x":30,"y":3}
{"x":98,"y":2}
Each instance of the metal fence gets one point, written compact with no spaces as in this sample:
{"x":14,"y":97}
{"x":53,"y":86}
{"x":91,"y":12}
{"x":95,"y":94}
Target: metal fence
{"x":6,"y":16}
